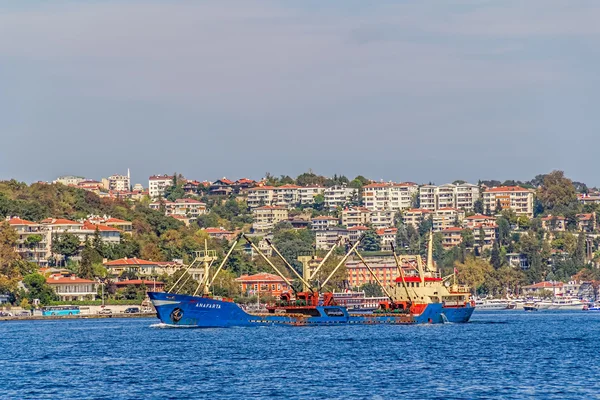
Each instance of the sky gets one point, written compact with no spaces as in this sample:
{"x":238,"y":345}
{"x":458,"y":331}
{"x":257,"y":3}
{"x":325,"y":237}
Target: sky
{"x":421,"y":91}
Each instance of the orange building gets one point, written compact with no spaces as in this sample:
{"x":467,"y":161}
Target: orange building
{"x":263,"y":283}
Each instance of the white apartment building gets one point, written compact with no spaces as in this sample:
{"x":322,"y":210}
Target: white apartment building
{"x":388,"y":236}
{"x":389,"y":196}
{"x":382,"y":219}
{"x":120,"y":183}
{"x":516,"y":198}
{"x":323,"y":222}
{"x":324,"y":240}
{"x":306,"y":194}
{"x":181,"y":207}
{"x":355,"y":216}
{"x":69,"y":180}
{"x":338,"y":196}
{"x":72,"y":288}
{"x":427,"y":197}
{"x":157,"y":185}
{"x":287,"y":195}
{"x":36,"y":248}
{"x":261,"y":196}
{"x":461,"y":196}
{"x":266,"y":217}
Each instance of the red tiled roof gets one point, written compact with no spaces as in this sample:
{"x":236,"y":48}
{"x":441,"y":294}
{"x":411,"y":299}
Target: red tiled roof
{"x":288,"y":186}
{"x":551,"y":217}
{"x":542,"y":285}
{"x":129,"y":261}
{"x":480,"y":216}
{"x":116,"y":221}
{"x":264,"y":188}
{"x":358,"y":228}
{"x":585,"y":216}
{"x":56,"y":279}
{"x":19,"y":221}
{"x":418,"y":210}
{"x":270,"y":208}
{"x":60,"y":221}
{"x":101,"y":228}
{"x":260,"y":277}
{"x":374,"y":185}
{"x":244,"y":180}
{"x":453,"y":229}
{"x":324,"y":217}
{"x":386,"y":231}
{"x":448,"y":209}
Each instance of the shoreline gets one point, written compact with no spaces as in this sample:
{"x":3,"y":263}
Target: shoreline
{"x":80,"y":316}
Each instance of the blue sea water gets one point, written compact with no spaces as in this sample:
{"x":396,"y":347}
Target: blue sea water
{"x":505,"y":355}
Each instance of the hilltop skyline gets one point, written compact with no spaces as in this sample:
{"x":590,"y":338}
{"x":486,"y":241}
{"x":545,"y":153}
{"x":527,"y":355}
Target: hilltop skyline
{"x":466,"y":90}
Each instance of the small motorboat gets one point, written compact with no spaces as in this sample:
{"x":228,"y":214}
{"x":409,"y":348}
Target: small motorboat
{"x":530,"y":306}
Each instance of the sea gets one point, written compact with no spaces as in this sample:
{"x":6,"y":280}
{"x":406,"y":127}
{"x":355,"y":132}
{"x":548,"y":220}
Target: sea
{"x":498,"y":355}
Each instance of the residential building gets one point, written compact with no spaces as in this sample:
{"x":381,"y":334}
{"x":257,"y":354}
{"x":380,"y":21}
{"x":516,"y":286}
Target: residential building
{"x":355,"y":216}
{"x":415,"y":216}
{"x":466,"y":194}
{"x":141,"y":268}
{"x":339,"y":196}
{"x":556,"y":223}
{"x":541,"y":288}
{"x":451,"y":237}
{"x":266,"y":217}
{"x":182,"y":207}
{"x":446,"y":196}
{"x":427,"y":197}
{"x":586,"y":222}
{"x":69,"y":180}
{"x":108,"y":234}
{"x":447,"y":217}
{"x":323,"y":222}
{"x":72,"y":288}
{"x":33,"y":242}
{"x":356,"y":232}
{"x":263,"y":284}
{"x":389,"y":196}
{"x":221,"y":187}
{"x":242,"y":185}
{"x":388,"y":237}
{"x":120,"y":183}
{"x":157,"y":185}
{"x":122,"y":225}
{"x":91,"y":186}
{"x":261,"y":196}
{"x":151,"y":285}
{"x":324,"y":240}
{"x":516,"y":198}
{"x":517,"y":260}
{"x":589,"y":198}
{"x":358,"y":274}
{"x":287,"y":195}
{"x":382,"y":219}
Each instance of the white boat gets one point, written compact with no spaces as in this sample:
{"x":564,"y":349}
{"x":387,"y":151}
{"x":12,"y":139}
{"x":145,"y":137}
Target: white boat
{"x":544,"y":304}
{"x":491,"y":304}
{"x":566,"y":303}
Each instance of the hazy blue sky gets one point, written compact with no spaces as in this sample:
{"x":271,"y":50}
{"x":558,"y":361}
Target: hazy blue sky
{"x":395,"y":90}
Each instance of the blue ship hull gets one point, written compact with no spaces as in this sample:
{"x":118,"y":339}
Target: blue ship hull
{"x":204,"y":312}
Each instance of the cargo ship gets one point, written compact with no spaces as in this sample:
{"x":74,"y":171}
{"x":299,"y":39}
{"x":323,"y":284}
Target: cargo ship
{"x":423,"y":301}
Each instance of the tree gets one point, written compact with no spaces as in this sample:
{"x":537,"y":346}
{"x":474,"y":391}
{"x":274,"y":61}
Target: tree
{"x":319,"y":202}
{"x":495,"y":259}
{"x":371,"y":241}
{"x":175,"y":191}
{"x":481,"y":238}
{"x":498,"y":206}
{"x":371,"y":290}
{"x":66,"y":244}
{"x":556,"y":191}
{"x":503,"y":231}
{"x":468,"y":239}
{"x":89,"y":257}
{"x":38,"y":289}
{"x":478,"y":206}
{"x":473,"y":272}
{"x":579,"y":255}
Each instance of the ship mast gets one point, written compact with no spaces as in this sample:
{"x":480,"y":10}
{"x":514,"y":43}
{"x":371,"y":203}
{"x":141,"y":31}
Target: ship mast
{"x":401,"y":272}
{"x":374,"y":275}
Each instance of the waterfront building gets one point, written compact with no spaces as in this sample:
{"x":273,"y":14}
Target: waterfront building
{"x":263,"y":284}
{"x":157,"y":185}
{"x":540,"y":288}
{"x":516,"y":198}
{"x":72,"y":288}
{"x":266,"y":217}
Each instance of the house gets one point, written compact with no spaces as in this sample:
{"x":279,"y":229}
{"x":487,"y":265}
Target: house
{"x":72,"y":288}
{"x":555,"y":223}
{"x":382,"y":218}
{"x":108,"y":234}
{"x":141,"y":268}
{"x":287,"y":195}
{"x":263,"y":284}
{"x":415,"y":216}
{"x":516,"y":198}
{"x":157,"y":185}
{"x":191,"y":187}
{"x":242,"y":185}
{"x":120,"y":183}
{"x":356,"y":232}
{"x":122,"y":225}
{"x":266,"y":217}
{"x":221,"y":187}
{"x":323,"y":222}
{"x":355,"y":216}
{"x":388,"y":237}
{"x":339,"y":196}
{"x":537,"y":289}
{"x":489,"y":234}
{"x":219,"y":233}
{"x":518,"y":260}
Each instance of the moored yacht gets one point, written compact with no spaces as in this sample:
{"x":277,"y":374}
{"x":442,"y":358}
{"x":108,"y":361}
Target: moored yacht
{"x":491,"y":304}
{"x":567,"y":303}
